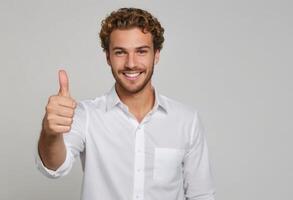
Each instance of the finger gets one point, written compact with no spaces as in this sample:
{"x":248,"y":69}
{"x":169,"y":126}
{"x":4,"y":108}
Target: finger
{"x":61,"y":129}
{"x":59,"y":120}
{"x":64,"y":84}
{"x":62,"y":101}
{"x":60,"y":111}
{"x":67,"y":102}
{"x":63,"y":111}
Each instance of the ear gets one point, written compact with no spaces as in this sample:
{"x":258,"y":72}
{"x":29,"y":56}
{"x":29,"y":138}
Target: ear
{"x":108,"y":57}
{"x":157,"y":56}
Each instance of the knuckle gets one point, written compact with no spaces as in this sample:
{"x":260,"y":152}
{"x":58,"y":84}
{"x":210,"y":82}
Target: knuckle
{"x":48,"y":108}
{"x":74,"y":104}
{"x":67,"y":122}
{"x":71,"y":113}
{"x":52,"y":98}
{"x":52,"y":101}
{"x":71,"y":101}
{"x":51,"y":127}
{"x":49,"y":117}
{"x":66,"y":129}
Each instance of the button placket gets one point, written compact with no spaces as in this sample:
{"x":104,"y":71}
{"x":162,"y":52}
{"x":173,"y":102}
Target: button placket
{"x":139,"y":161}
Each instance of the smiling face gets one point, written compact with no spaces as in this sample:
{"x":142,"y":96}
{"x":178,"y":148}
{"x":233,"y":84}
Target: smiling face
{"x":132,"y":58}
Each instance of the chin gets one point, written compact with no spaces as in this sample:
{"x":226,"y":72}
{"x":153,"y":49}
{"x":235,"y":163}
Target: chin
{"x":132,"y":90}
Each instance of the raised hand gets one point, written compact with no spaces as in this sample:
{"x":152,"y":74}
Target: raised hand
{"x":60,"y":109}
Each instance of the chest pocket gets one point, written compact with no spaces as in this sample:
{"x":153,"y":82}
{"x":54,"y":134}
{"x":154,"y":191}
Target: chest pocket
{"x":168,"y":164}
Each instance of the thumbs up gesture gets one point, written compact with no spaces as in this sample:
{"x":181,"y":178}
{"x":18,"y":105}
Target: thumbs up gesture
{"x":60,"y":109}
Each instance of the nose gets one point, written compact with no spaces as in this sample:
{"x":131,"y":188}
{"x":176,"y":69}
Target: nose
{"x":130,"y":63}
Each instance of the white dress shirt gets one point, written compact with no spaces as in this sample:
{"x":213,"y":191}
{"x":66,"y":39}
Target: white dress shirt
{"x":165,"y":157}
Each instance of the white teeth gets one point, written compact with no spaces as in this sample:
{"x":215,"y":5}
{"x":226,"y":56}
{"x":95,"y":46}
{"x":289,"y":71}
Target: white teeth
{"x":132,"y":75}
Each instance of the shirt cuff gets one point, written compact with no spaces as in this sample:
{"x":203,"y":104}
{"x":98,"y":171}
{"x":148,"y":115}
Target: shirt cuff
{"x":62,"y":169}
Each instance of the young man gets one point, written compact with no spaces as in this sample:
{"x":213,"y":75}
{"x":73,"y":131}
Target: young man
{"x":133,"y":142}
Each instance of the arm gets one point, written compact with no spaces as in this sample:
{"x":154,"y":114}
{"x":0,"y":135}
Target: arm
{"x":58,"y":120}
{"x":51,"y":150}
{"x":198,"y":180}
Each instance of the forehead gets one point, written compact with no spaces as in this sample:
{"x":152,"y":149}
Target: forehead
{"x":130,"y":38}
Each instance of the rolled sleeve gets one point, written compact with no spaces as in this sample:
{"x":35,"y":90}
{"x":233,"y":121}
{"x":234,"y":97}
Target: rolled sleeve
{"x":198,"y":180}
{"x":61,"y":171}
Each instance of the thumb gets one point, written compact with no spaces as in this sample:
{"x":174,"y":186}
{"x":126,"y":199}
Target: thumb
{"x":64,"y":85}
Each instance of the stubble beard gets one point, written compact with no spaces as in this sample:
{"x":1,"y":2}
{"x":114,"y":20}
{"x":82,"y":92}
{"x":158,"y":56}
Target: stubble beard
{"x":120,"y":84}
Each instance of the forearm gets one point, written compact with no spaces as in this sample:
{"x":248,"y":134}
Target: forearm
{"x":52,"y":150}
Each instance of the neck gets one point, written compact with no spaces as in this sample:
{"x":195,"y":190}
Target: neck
{"x":140,"y":103}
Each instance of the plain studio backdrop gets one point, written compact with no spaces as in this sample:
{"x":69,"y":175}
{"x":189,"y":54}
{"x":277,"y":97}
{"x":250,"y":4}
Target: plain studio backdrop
{"x":231,"y":60}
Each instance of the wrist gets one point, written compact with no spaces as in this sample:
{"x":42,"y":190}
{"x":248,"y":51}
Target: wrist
{"x":50,"y":137}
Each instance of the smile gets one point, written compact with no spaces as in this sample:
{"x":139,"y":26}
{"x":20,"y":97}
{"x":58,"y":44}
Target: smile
{"x":132,"y":75}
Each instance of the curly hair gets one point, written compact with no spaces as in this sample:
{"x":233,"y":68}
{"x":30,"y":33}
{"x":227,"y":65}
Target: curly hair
{"x":126,"y":18}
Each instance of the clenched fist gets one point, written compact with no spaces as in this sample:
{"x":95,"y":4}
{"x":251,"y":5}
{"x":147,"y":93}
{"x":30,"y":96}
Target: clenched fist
{"x":60,"y":109}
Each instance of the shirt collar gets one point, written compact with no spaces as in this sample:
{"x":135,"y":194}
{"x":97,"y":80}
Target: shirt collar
{"x":112,"y":100}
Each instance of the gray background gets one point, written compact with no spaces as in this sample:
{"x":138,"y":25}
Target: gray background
{"x":232,"y":60}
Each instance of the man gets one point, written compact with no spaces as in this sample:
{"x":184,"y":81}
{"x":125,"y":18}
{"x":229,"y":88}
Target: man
{"x":133,"y":142}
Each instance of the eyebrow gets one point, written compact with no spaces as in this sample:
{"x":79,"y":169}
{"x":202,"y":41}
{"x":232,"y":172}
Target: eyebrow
{"x":122,"y":48}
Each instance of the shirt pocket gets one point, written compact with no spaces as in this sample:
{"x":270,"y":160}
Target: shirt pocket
{"x":168,"y":164}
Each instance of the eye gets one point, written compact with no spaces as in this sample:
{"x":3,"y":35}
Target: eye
{"x":141,"y":51}
{"x":119,"y":53}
